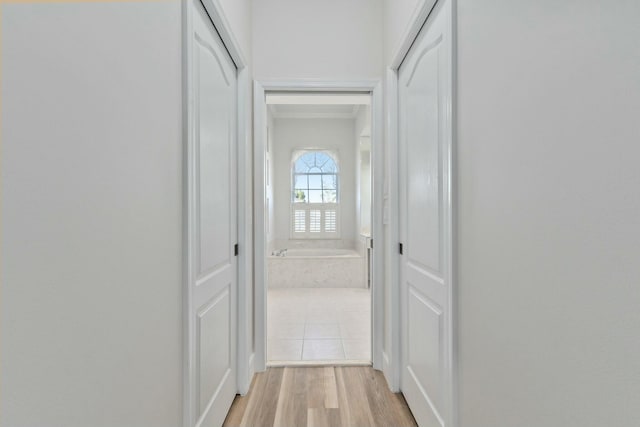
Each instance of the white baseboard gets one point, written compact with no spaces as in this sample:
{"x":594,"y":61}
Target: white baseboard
{"x":387,"y":371}
{"x":243,"y":389}
{"x":252,"y":367}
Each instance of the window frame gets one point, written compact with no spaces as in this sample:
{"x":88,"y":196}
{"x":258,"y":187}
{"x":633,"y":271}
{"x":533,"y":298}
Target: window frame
{"x":324,"y":209}
{"x":296,"y":156}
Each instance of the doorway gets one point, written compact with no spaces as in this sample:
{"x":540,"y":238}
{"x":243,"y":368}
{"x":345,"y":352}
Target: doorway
{"x":318,"y":209}
{"x":318,"y":228}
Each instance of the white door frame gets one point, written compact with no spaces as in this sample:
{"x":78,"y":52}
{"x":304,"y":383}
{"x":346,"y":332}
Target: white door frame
{"x":377,"y":153}
{"x":244,"y":208}
{"x":417,"y":21}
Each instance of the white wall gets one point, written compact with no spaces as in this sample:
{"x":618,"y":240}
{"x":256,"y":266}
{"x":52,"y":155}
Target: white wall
{"x":364,"y":208}
{"x":270,"y":220}
{"x":330,"y":39}
{"x":91,"y":215}
{"x":363,"y":164}
{"x":363,"y":121}
{"x":296,"y":134}
{"x":549,"y":229}
{"x":549,"y":213}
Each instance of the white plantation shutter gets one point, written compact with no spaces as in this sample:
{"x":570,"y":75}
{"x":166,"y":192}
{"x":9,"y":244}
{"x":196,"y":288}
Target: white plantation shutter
{"x":315,"y":220}
{"x":330,"y":221}
{"x":299,"y":221}
{"x":315,"y":223}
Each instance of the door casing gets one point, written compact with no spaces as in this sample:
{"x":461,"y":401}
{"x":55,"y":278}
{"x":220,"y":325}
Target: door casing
{"x":260,"y":136}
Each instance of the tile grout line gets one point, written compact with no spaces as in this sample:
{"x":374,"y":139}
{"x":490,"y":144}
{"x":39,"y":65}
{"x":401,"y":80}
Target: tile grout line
{"x":344,"y":352}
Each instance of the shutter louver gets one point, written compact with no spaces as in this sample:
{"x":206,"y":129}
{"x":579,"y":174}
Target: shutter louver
{"x":330,"y":221}
{"x":300,"y":223}
{"x":314,"y":221}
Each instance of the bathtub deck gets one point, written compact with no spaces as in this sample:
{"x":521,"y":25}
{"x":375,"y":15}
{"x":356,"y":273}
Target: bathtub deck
{"x":327,"y":325}
{"x":337,"y":271}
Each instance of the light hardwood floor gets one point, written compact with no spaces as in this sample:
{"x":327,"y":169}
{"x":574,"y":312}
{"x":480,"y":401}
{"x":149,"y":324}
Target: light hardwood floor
{"x":319,"y":397}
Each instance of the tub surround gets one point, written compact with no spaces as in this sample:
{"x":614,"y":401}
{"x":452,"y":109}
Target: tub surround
{"x":316,"y":268}
{"x":314,"y":244}
{"x":318,"y":253}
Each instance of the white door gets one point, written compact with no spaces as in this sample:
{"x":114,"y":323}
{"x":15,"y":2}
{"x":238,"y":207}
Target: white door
{"x":425,"y":136}
{"x":212,"y":226}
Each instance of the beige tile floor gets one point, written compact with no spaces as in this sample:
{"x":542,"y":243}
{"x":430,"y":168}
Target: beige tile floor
{"x":306,"y":325}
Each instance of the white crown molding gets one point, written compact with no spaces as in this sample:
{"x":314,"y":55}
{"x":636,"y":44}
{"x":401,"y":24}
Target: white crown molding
{"x":347,"y":115}
{"x":301,"y":115}
{"x":317,"y":99}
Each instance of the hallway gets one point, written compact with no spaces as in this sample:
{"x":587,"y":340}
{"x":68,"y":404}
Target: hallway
{"x":319,"y":397}
{"x":161,"y":160}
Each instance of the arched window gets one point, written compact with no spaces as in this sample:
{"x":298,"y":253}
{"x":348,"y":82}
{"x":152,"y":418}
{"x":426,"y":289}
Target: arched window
{"x":315,"y":178}
{"x":315,"y":195}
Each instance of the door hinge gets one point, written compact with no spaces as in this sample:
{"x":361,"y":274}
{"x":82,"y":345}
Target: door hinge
{"x":371,"y":244}
{"x":401,"y":249}
{"x":235,"y":249}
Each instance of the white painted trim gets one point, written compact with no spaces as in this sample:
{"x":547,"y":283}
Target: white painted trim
{"x":386,"y":367}
{"x":329,"y":99}
{"x":216,"y":13}
{"x":301,"y":115}
{"x":392,"y":372}
{"x":245,"y":233}
{"x":310,"y":85}
{"x":244,"y":322}
{"x":417,"y":21}
{"x":453,"y":265}
{"x":188,"y":325}
{"x":252,"y":361}
{"x":260,"y":241}
{"x":377,"y":201}
{"x":260,"y":122}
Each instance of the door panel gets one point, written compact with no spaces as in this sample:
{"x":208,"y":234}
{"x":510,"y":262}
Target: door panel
{"x":425,"y":326}
{"x":213,"y":139}
{"x":214,"y":345}
{"x":212,"y":224}
{"x":423,"y":169}
{"x":425,"y":220}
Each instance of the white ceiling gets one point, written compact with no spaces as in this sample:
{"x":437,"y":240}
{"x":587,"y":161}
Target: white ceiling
{"x":316,"y":105}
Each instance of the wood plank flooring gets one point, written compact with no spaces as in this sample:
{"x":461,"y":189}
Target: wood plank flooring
{"x":319,"y":397}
